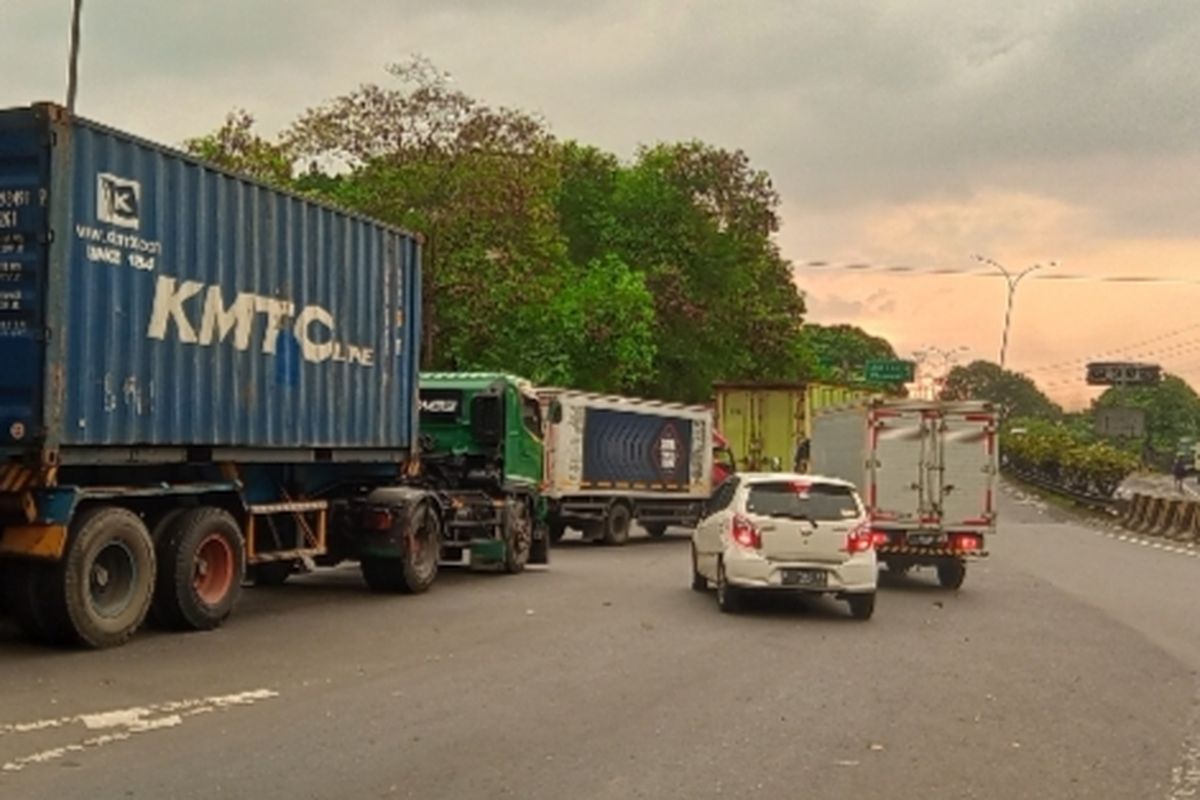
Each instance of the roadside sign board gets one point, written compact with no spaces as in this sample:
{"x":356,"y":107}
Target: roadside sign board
{"x":889,"y":371}
{"x":1122,"y":373}
{"x":1124,"y":423}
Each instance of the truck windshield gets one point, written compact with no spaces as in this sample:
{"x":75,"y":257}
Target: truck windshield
{"x":795,"y":500}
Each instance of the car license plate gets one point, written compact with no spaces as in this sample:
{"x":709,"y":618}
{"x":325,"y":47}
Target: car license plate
{"x":922,"y":539}
{"x":808,"y":578}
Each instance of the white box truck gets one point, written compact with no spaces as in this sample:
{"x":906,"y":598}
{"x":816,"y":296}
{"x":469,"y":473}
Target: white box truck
{"x":927,"y":472}
{"x":613,"y":460}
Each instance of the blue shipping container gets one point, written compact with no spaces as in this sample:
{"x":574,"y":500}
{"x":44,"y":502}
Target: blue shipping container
{"x":150,"y":302}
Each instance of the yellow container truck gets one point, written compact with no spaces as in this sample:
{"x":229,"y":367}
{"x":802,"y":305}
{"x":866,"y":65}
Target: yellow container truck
{"x":767,"y":424}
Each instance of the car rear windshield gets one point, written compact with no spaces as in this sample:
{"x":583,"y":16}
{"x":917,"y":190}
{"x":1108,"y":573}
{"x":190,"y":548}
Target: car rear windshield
{"x":820,"y":502}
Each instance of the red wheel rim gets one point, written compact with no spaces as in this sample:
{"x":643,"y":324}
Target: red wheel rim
{"x":212,"y":572}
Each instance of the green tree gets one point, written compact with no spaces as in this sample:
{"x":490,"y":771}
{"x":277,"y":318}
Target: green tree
{"x":697,"y":221}
{"x":839,"y":353}
{"x":597,"y":333}
{"x":1172,"y":410}
{"x":553,"y":259}
{"x":1015,"y":393}
{"x":478,"y":182}
{"x":236,"y":146}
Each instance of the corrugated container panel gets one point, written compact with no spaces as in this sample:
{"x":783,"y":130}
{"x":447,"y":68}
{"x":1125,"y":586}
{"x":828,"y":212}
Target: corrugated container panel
{"x":191,"y":307}
{"x":24,"y":187}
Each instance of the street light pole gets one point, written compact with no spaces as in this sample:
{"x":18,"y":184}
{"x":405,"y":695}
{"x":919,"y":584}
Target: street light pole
{"x":1013,"y":281}
{"x":73,"y":63}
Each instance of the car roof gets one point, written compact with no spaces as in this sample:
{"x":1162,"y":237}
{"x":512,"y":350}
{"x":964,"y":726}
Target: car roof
{"x":771,"y":477}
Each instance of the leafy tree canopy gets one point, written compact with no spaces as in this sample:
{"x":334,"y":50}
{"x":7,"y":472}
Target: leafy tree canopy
{"x":553,"y":258}
{"x":1015,"y":393}
{"x":1172,"y":409}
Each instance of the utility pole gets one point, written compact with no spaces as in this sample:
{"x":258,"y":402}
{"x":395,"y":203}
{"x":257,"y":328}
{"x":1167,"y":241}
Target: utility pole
{"x":73,"y":63}
{"x":1012,"y":281}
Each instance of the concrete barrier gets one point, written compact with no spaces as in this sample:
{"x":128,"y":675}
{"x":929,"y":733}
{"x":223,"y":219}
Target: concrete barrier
{"x":1156,"y":508}
{"x":1135,"y":510}
{"x":1169,"y":517}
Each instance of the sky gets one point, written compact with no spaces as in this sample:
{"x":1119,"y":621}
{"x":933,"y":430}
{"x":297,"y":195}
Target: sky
{"x":898,"y":132}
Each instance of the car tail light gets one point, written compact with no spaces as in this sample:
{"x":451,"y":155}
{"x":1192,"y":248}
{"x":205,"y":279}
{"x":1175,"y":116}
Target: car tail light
{"x":967,"y":542}
{"x":377,"y":519}
{"x":745,"y":534}
{"x":862,"y":539}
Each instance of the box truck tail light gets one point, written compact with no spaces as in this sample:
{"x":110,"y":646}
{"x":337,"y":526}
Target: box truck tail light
{"x":377,"y":519}
{"x":745,"y":534}
{"x":966,"y":542}
{"x":879,"y":538}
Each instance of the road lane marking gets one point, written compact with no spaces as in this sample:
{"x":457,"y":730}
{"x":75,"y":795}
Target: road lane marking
{"x":122,"y":724}
{"x":1185,"y":778}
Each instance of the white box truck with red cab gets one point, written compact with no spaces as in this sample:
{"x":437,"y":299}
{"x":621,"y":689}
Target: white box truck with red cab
{"x":927,"y":472}
{"x":614,"y":460}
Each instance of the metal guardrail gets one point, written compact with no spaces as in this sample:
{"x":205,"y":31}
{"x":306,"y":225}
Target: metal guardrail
{"x":1096,"y":502}
{"x":1168,"y":517}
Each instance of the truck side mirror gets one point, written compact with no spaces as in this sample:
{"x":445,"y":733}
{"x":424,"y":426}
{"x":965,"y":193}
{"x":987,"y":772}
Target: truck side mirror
{"x":555,"y":412}
{"x":487,"y":419}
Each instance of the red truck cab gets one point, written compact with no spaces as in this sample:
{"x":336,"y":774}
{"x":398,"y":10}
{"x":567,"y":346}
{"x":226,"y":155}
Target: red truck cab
{"x":724,"y":464}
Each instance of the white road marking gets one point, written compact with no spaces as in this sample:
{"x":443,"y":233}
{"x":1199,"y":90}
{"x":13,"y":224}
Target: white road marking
{"x":1185,"y":778}
{"x":122,"y":724}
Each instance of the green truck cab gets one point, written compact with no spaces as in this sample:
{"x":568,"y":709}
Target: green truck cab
{"x":481,"y":436}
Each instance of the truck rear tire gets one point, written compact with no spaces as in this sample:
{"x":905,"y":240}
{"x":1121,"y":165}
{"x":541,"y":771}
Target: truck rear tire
{"x":27,"y":598}
{"x":729,"y":597}
{"x":202,"y":566}
{"x":100,"y":593}
{"x":271,"y":573}
{"x":415,"y":571}
{"x":655,"y":529}
{"x":518,"y":535}
{"x":616,"y":524}
{"x":539,"y":551}
{"x":951,"y":574}
{"x":699,"y":582}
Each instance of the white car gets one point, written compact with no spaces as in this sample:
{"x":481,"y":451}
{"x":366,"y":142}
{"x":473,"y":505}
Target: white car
{"x":786,"y":532}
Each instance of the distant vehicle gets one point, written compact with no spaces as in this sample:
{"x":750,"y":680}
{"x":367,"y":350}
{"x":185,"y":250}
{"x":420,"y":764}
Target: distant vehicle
{"x":724,"y":461}
{"x":928,"y":472}
{"x":1188,"y":449}
{"x":786,"y":532}
{"x":611,"y":461}
{"x":481,"y":442}
{"x":768,"y":424}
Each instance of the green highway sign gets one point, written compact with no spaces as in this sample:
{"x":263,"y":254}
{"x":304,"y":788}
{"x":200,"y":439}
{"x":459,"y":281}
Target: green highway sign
{"x":890,"y":371}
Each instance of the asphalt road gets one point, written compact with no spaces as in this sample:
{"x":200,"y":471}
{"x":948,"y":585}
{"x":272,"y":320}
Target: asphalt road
{"x":1066,"y":668}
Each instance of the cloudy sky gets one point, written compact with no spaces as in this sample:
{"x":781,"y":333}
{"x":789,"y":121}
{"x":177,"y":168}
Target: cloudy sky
{"x":899,"y":132}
